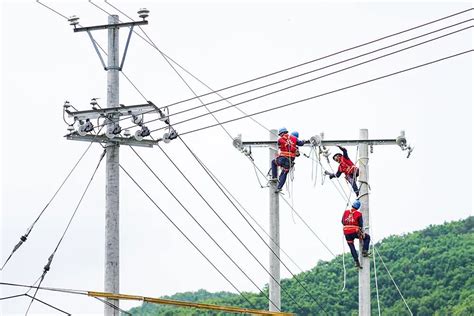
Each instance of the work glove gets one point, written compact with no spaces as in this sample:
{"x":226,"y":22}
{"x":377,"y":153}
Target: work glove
{"x":340,"y":147}
{"x":331,"y":175}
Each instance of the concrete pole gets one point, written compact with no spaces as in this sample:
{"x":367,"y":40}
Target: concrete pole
{"x":273,"y":286}
{"x":112,"y":272}
{"x":364,"y":273}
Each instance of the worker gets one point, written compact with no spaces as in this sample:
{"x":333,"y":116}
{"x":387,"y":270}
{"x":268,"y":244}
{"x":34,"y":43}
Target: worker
{"x":287,"y":148}
{"x":347,"y":167}
{"x":354,"y":228}
{"x":298,"y":142}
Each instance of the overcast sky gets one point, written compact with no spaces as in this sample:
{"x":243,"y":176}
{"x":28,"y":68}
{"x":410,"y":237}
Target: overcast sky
{"x":44,"y":63}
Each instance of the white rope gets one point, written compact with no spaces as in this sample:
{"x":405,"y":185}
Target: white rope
{"x":343,"y":263}
{"x":390,"y":275}
{"x":376,"y":282}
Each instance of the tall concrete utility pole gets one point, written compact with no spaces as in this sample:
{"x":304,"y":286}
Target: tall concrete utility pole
{"x":112,"y":139}
{"x":274,"y":303}
{"x":364,"y":273}
{"x":112,"y":193}
{"x":318,"y":141}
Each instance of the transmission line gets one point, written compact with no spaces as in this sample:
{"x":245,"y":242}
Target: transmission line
{"x":24,"y":237}
{"x":47,"y":267}
{"x":298,"y":65}
{"x":185,"y":236}
{"x":310,"y":80}
{"x":196,"y":221}
{"x":332,"y":91}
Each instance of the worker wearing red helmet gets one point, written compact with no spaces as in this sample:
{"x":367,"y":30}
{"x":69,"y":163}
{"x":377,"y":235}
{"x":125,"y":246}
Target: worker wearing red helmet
{"x":347,"y":167}
{"x":287,"y":151}
{"x":354,"y":228}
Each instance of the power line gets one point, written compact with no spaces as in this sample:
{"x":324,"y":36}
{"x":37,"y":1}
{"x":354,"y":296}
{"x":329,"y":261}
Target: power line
{"x":323,"y":57}
{"x":221,"y":219}
{"x":196,"y":221}
{"x":51,"y":257}
{"x":332,"y":91}
{"x":253,"y":228}
{"x":312,"y":79}
{"x":334,"y":64}
{"x":28,"y":231}
{"x":185,"y":236}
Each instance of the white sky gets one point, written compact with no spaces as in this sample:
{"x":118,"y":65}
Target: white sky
{"x":44,"y":63}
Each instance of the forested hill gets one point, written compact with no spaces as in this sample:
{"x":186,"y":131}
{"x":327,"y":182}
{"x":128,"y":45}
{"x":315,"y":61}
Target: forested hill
{"x":434,"y":269}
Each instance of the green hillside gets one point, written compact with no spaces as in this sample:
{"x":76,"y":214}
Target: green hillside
{"x":434,"y":269}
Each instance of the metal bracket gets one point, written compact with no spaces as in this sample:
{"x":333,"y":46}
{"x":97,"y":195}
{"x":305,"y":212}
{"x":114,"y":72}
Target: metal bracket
{"x":126,"y":47}
{"x":97,"y":50}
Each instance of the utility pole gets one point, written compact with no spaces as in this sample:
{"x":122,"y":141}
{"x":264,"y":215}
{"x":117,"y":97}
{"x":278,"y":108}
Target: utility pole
{"x":274,"y":303}
{"x":112,"y":139}
{"x":112,"y":184}
{"x":364,"y":273}
{"x":318,"y":141}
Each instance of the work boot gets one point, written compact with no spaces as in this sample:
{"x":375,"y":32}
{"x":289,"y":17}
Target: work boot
{"x":365,"y":253}
{"x":274,"y":180}
{"x":357,"y":264}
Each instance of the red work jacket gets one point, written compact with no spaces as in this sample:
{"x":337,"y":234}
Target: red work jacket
{"x":287,"y":145}
{"x":352,"y":221}
{"x":346,"y":166}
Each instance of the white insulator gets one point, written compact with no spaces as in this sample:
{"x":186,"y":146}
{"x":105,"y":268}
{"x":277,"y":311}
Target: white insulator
{"x":315,"y":140}
{"x":137,"y":119}
{"x":138,"y":135}
{"x":166,"y":138}
{"x":110,"y":134}
{"x":237,"y":142}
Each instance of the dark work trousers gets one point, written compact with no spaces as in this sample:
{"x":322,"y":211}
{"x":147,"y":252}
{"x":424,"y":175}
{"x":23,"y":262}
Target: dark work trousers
{"x":352,"y":179}
{"x":285,"y":163}
{"x":350,"y":241}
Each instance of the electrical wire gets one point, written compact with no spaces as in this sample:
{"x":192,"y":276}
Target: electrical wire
{"x":312,"y":79}
{"x":184,"y":235}
{"x":225,"y":223}
{"x":51,"y":257}
{"x":253,"y":228}
{"x":333,"y":91}
{"x":196,"y":221}
{"x":305,"y":63}
{"x":28,"y":231}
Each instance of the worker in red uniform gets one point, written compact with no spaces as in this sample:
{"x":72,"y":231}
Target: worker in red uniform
{"x":347,"y":167}
{"x":354,"y":228}
{"x":287,"y":149}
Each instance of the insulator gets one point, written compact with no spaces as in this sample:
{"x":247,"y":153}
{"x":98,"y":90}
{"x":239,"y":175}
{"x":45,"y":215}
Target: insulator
{"x":143,"y":13}
{"x":315,"y":140}
{"x":73,"y":20}
{"x":137,"y":119}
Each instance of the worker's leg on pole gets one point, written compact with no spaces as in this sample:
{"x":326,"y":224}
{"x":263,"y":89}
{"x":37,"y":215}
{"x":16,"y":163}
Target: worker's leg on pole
{"x":366,"y":244}
{"x":282,"y":179}
{"x":352,"y":179}
{"x":350,"y":242}
{"x":274,"y":168}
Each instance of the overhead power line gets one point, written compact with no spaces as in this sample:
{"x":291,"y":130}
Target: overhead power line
{"x":301,"y":64}
{"x":185,"y":236}
{"x":47,"y":267}
{"x":332,"y":91}
{"x":24,"y":238}
{"x":196,"y":221}
{"x":312,"y":79}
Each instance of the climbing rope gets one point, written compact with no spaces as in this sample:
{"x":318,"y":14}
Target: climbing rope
{"x":393,"y":281}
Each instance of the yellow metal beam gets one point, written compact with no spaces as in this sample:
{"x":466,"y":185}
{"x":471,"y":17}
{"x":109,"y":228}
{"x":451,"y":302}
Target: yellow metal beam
{"x":185,"y":304}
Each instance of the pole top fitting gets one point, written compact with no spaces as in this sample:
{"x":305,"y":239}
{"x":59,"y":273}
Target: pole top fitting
{"x":143,"y":13}
{"x":73,"y":20}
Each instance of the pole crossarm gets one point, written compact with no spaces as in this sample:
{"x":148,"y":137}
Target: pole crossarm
{"x":230,"y":309}
{"x":109,"y":26}
{"x":318,"y":141}
{"x":120,"y":111}
{"x":128,"y":141}
{"x":355,"y":142}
